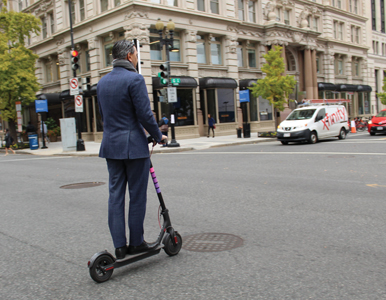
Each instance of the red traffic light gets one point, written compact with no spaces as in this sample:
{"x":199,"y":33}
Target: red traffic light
{"x":74,"y":53}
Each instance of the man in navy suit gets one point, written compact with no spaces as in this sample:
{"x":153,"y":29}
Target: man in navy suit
{"x":125,"y":109}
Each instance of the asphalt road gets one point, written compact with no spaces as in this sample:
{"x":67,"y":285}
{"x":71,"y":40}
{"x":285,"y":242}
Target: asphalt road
{"x":312,"y":220}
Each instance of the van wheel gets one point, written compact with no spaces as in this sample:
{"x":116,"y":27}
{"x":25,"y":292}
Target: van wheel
{"x":313,"y":138}
{"x":342,"y":134}
{"x":284,"y":143}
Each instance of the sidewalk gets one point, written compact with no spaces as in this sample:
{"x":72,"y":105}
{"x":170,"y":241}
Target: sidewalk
{"x":92,"y":148}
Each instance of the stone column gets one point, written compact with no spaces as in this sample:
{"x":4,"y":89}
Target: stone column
{"x":308,"y":73}
{"x":314,"y":74}
{"x":301,"y":71}
{"x":95,"y":58}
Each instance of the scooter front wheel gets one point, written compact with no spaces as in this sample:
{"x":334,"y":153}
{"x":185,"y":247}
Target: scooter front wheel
{"x":170,"y":248}
{"x":98,"y":273}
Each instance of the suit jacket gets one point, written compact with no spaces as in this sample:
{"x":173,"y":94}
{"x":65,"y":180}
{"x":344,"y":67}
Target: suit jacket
{"x":125,"y":109}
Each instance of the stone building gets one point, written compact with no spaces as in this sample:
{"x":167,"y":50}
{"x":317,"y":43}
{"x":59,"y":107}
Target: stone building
{"x":220,"y":46}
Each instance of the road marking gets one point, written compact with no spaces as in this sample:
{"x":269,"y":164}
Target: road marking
{"x":24,"y":159}
{"x":375,"y":185}
{"x":295,"y":153}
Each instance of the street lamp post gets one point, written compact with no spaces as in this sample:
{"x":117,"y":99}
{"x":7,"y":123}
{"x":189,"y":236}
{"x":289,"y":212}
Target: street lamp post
{"x":169,"y":45}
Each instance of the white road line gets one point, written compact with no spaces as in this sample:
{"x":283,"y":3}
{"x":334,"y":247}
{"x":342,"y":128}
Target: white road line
{"x":296,"y":153}
{"x":24,"y":159}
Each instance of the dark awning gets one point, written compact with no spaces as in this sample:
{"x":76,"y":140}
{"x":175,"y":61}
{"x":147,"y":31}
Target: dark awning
{"x":186,"y":82}
{"x":364,"y":88}
{"x":325,"y":86}
{"x":215,"y":82}
{"x":93,"y":90}
{"x":346,"y":87}
{"x":246,"y":83}
{"x":52,"y":98}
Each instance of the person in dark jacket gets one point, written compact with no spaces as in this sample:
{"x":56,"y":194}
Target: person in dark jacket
{"x":164,"y":127}
{"x":30,"y":128}
{"x":125,"y":109}
{"x":211,"y":123}
{"x":8,"y":142}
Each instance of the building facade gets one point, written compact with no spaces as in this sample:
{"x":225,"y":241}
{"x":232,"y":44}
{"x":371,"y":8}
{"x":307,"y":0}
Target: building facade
{"x":220,"y":52}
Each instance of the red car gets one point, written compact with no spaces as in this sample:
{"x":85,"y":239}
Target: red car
{"x":378,"y":123}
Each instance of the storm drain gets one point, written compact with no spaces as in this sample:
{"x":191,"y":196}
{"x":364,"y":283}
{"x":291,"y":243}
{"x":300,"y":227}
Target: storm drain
{"x":211,"y":242}
{"x":81,"y":185}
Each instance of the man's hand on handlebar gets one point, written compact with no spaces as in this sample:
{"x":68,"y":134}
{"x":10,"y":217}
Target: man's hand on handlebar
{"x":163,"y":140}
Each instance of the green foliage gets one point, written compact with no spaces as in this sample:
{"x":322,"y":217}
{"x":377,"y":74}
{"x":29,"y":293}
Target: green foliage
{"x":382,"y":96}
{"x":17,"y":63}
{"x":274,"y":86}
{"x":51,"y":124}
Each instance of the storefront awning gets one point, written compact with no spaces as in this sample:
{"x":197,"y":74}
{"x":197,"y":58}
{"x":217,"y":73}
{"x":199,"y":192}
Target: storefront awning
{"x":52,"y":98}
{"x":347,"y":87}
{"x":246,"y":83}
{"x":215,"y":82}
{"x":185,"y":82}
{"x":364,"y":88}
{"x":325,"y":86}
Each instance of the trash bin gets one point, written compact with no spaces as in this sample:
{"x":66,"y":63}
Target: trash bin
{"x":238,"y":132}
{"x":247,"y":130}
{"x":33,"y":141}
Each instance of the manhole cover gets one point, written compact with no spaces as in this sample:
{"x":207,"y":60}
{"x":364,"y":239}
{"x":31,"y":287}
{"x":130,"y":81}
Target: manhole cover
{"x":211,"y":242}
{"x":81,"y":185}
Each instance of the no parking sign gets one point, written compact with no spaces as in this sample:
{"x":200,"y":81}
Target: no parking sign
{"x":78,"y":103}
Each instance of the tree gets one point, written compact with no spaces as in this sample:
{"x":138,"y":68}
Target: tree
{"x":17,"y":63}
{"x":382,"y":96}
{"x":275,"y":86}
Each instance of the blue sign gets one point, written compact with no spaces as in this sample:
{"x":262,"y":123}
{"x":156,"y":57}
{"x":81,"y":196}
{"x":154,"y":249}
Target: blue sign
{"x":41,"y":106}
{"x":244,"y":96}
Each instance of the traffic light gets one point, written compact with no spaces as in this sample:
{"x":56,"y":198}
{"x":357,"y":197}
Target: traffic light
{"x":164,"y":74}
{"x":74,"y":60}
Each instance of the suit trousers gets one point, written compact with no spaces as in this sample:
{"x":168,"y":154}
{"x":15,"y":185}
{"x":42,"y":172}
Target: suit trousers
{"x":135,"y":173}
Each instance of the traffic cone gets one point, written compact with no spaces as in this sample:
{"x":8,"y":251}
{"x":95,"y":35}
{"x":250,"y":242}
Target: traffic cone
{"x":353,"y":128}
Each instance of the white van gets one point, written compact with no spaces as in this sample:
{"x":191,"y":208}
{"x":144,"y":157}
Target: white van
{"x":314,"y":122}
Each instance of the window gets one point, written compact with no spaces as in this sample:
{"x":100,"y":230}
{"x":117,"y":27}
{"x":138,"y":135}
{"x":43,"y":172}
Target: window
{"x":172,"y":2}
{"x":44,"y":27}
{"x":175,"y":53}
{"x":318,"y":66}
{"x":57,"y":71}
{"x":88,"y":62}
{"x":339,"y":3}
{"x":209,"y":45}
{"x":52,"y":23}
{"x":240,"y":6}
{"x":286,"y":17}
{"x":81,"y":10}
{"x":201,"y":5}
{"x":352,"y":34}
{"x":214,"y":6}
{"x":313,"y":23}
{"x":339,"y":66}
{"x":240,"y":55}
{"x":382,"y":15}
{"x":373,"y":15}
{"x":265,"y":109}
{"x":355,"y":68}
{"x":357,"y":33}
{"x":158,"y":53}
{"x":104,"y":5}
{"x":340,"y":31}
{"x":246,"y":55}
{"x":20,"y":5}
{"x":251,"y":49}
{"x":356,"y":6}
{"x":73,"y":12}
{"x":335,"y":29}
{"x":316,"y":24}
{"x":48,"y":72}
{"x":252,"y":11}
{"x":108,"y":46}
{"x":278,"y":14}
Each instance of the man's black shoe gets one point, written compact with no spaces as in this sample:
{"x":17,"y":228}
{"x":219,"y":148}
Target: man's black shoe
{"x":144,"y":247}
{"x":121,"y":252}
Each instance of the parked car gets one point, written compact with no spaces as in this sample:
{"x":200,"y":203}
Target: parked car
{"x":378,"y":123}
{"x":312,"y":123}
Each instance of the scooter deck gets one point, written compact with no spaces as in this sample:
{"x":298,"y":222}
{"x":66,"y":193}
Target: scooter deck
{"x":129,"y":259}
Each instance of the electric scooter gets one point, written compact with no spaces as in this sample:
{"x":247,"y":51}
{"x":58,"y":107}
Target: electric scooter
{"x":102,"y":264}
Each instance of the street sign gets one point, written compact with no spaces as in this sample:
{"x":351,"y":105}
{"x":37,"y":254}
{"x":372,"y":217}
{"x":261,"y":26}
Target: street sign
{"x":244,"y":96}
{"x":172,"y":95}
{"x":74,"y":86}
{"x":175,"y":81}
{"x":78,"y":99}
{"x":19,"y":120}
{"x":41,"y":106}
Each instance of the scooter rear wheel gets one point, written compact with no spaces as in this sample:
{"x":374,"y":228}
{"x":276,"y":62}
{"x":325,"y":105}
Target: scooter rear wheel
{"x":96,"y":271}
{"x":169,"y":247}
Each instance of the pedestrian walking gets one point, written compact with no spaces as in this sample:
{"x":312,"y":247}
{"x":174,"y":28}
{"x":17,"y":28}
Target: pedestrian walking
{"x":164,"y":127}
{"x":211,"y":125}
{"x":125,"y":109}
{"x":8,"y":142}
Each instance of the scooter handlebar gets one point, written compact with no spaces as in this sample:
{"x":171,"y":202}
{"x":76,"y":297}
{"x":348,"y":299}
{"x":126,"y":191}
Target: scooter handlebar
{"x":150,"y":139}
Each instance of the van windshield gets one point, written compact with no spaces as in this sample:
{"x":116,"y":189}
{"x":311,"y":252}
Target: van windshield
{"x":301,"y":114}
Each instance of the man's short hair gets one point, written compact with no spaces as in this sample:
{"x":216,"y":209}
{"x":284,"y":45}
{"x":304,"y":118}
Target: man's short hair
{"x":122,"y":48}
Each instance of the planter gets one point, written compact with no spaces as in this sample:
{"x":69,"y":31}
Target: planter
{"x":271,"y":134}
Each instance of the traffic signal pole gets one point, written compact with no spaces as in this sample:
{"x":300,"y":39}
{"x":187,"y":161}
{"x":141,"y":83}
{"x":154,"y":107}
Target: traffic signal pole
{"x":79,"y":142}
